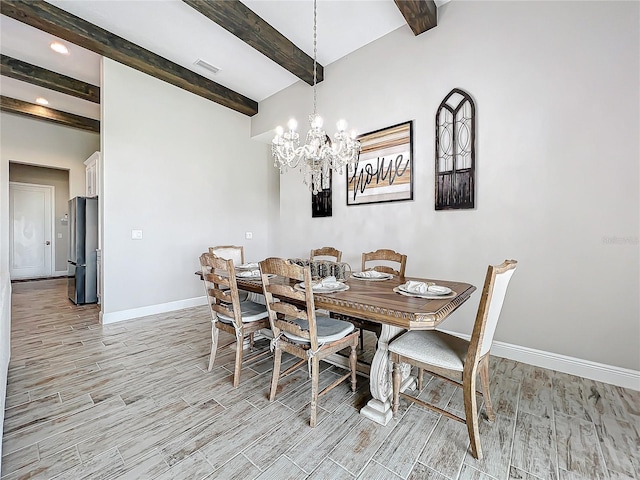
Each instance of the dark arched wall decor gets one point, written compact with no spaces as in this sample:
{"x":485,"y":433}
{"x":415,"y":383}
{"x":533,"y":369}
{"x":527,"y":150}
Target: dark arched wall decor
{"x":455,"y":152}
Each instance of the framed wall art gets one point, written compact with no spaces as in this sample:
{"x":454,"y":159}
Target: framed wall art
{"x":384,"y":171}
{"x":455,"y":152}
{"x":321,"y":201}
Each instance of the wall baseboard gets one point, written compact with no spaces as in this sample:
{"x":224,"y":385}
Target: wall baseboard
{"x":60,"y":273}
{"x":123,"y":315}
{"x":622,"y":377}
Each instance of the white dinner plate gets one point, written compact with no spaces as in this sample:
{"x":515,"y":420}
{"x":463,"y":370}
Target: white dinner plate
{"x":444,"y":290}
{"x":342,"y":288}
{"x":254,"y":277}
{"x":387,"y":276}
{"x":248,"y":266}
{"x":429,"y":296}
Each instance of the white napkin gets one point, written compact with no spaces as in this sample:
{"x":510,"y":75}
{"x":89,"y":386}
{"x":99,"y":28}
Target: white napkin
{"x":438,"y":290}
{"x":328,"y":282}
{"x":372,"y":274}
{"x":253,"y":265}
{"x":416,"y":287}
{"x":249,"y":273}
{"x":422,"y":288}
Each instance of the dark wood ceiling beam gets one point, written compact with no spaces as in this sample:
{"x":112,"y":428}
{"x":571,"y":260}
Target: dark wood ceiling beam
{"x":14,"y":68}
{"x":55,"y":21}
{"x":238,"y":19}
{"x":12,"y":105}
{"x":420,"y":15}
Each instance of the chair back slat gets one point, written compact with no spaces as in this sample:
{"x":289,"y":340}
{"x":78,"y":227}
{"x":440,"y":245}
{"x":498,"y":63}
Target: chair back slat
{"x":387,"y":256}
{"x":287,"y":291}
{"x":386,"y":269}
{"x":222,"y":308}
{"x":285,"y":326}
{"x":283,"y":299}
{"x":223,"y":295}
{"x":289,"y":309}
{"x":216,"y":278}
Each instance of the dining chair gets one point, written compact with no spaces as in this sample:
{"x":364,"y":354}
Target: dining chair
{"x":389,"y":257}
{"x":299,"y":331}
{"x":326,"y":252}
{"x":454,"y":359}
{"x":386,"y":256}
{"x":228,"y":313}
{"x":229,"y":252}
{"x":236,"y":253}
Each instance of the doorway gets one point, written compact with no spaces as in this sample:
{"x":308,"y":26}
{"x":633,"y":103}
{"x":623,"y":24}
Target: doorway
{"x":31,"y":236}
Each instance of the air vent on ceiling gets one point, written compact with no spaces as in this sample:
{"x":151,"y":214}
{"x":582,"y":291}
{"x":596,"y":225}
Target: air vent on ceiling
{"x":207,"y":66}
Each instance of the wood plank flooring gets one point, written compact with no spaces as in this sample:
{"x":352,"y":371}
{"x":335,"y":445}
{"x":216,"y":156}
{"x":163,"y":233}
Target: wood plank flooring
{"x":134,"y":400}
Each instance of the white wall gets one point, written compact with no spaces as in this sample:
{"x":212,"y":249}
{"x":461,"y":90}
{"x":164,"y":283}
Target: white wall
{"x":35,"y":142}
{"x":556,"y":91}
{"x":185,"y":171}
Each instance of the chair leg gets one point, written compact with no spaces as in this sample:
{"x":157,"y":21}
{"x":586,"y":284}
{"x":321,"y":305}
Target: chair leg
{"x":315,"y":373}
{"x":420,"y":375}
{"x":353,"y":363}
{"x":214,"y":346}
{"x":484,"y":380}
{"x":277,"y":358}
{"x":361,"y":339}
{"x":471,"y":414}
{"x":238,"y":366}
{"x":397,"y":378}
{"x":251,"y":341}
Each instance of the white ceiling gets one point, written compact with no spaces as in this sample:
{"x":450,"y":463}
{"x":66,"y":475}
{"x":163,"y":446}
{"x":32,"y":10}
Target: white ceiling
{"x":174,"y":30}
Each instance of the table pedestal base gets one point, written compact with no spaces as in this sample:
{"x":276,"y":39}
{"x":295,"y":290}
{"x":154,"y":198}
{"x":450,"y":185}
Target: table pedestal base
{"x":378,"y":408}
{"x":380,"y":412}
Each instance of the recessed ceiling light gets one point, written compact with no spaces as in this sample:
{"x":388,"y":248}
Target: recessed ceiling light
{"x":42,"y":101}
{"x":59,"y":47}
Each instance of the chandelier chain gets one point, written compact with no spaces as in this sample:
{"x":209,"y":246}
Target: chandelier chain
{"x":319,"y":155}
{"x":315,"y":56}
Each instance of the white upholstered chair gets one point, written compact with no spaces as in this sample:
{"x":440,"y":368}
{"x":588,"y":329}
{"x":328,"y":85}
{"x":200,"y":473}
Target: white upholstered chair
{"x":299,"y":331}
{"x":455,"y":359}
{"x":236,"y":253}
{"x":229,"y":252}
{"x":228,"y":312}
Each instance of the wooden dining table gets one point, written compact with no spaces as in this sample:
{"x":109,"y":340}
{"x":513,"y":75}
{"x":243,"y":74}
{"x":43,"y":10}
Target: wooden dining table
{"x":375,"y":301}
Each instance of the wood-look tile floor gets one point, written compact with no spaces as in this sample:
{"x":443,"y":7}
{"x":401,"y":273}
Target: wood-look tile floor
{"x":134,"y":400}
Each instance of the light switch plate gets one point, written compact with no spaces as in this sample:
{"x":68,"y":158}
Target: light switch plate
{"x":136,"y":234}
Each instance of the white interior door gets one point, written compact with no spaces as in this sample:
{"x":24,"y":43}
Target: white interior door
{"x":30,"y":230}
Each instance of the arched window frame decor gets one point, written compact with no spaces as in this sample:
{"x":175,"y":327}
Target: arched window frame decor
{"x":455,"y":160}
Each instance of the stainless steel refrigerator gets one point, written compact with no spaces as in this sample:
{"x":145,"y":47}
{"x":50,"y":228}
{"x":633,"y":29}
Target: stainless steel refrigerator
{"x":83,"y":242}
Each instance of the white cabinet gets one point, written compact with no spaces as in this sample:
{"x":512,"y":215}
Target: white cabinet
{"x":94,"y":189}
{"x":93,"y":175}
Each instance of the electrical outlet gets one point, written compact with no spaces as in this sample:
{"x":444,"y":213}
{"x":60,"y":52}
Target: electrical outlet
{"x":248,"y":235}
{"x":136,"y":234}
{"x":59,"y":235}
